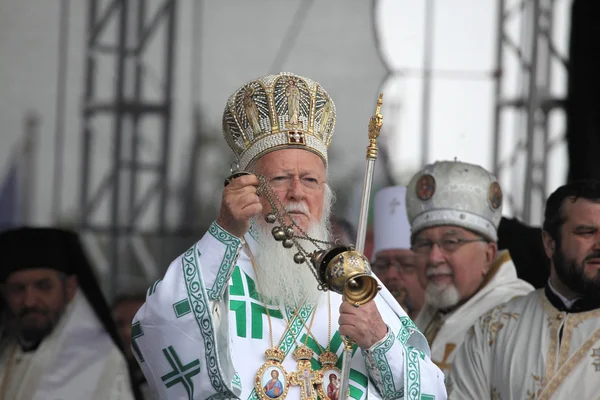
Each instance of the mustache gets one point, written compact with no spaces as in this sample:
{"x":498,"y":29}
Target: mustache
{"x":297,"y":207}
{"x":439,"y":270}
{"x":593,"y":255}
{"x":26,"y":311}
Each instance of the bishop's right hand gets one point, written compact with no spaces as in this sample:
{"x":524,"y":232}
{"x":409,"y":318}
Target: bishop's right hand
{"x":240,"y":202}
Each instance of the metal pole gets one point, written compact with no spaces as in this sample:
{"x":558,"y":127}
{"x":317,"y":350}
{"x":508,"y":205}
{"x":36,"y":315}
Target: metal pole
{"x":117,"y":143}
{"x":427,"y":67}
{"x":166,"y":123}
{"x":61,"y":88}
{"x":532,"y":107}
{"x":498,"y":88}
{"x":87,"y":134}
{"x":549,"y":14}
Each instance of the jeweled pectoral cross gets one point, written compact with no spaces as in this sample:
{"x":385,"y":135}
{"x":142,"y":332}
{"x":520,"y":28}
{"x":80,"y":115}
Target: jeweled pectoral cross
{"x":306,"y":378}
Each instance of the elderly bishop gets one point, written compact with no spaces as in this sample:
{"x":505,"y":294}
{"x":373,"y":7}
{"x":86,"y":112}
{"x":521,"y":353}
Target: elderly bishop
{"x":236,"y":316}
{"x":455,"y":209}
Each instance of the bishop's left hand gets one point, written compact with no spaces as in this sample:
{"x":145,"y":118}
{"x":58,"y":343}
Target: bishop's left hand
{"x":362,"y":324}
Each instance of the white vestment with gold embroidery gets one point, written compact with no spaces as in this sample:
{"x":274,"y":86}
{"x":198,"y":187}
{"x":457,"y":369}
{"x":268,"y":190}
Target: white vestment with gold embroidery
{"x":448,"y":336}
{"x":528,"y":349}
{"x":203,"y":332}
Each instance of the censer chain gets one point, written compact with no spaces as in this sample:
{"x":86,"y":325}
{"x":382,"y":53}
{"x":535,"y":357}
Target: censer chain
{"x":287,"y":233}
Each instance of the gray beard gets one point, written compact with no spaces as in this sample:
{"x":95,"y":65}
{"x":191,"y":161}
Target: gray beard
{"x":281,"y":281}
{"x":442,"y":297}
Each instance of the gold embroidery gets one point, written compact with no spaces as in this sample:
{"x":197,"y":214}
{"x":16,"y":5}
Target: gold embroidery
{"x":571,"y":323}
{"x":471,"y":332}
{"x":433,"y":328}
{"x":565,"y":344}
{"x":553,"y":345}
{"x":538,"y":384}
{"x":596,"y":356}
{"x":555,"y":320}
{"x":444,"y":365}
{"x":493,"y":321}
{"x":568,"y":367}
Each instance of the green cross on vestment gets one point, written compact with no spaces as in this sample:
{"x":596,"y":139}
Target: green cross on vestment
{"x":248,"y":310}
{"x":181,"y":373}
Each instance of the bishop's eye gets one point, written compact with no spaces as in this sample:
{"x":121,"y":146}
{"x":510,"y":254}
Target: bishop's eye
{"x":423,"y":246}
{"x":310,"y":182}
{"x":450,"y":243}
{"x":280,"y":181}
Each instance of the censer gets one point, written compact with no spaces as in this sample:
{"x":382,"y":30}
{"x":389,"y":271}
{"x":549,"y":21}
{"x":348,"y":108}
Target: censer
{"x":340,"y":269}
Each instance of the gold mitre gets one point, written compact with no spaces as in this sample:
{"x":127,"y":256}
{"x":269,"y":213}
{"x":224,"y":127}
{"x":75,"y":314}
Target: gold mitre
{"x":276,"y":112}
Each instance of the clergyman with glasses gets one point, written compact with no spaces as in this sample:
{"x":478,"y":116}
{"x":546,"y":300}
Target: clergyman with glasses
{"x":454,"y":209}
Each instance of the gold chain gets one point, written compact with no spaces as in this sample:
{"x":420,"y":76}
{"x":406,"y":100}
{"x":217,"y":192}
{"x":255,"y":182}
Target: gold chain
{"x":278,"y":210}
{"x":328,"y":327}
{"x":312,"y":320}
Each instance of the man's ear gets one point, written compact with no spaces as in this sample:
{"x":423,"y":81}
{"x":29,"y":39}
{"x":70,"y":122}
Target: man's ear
{"x":71,"y":286}
{"x":490,"y":254}
{"x":549,"y":244}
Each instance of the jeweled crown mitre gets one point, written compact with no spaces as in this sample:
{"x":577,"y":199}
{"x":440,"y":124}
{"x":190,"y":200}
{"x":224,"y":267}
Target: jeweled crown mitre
{"x":278,"y":111}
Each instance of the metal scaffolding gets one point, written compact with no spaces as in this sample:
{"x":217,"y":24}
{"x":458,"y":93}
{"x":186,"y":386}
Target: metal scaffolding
{"x":522,"y":160}
{"x":133,"y":185}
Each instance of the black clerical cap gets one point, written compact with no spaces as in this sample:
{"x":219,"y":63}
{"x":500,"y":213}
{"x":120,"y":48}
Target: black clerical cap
{"x":26,"y":248}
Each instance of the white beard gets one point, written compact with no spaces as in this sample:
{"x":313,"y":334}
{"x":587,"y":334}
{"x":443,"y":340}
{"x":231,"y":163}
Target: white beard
{"x":442,"y":296}
{"x":279,"y":279}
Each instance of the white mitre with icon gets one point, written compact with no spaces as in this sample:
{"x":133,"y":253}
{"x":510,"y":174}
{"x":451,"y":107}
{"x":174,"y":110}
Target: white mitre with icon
{"x":455,"y":193}
{"x":391,"y":229}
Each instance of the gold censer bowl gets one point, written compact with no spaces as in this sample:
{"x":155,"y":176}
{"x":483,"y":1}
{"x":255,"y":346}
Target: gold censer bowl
{"x":345,"y":271}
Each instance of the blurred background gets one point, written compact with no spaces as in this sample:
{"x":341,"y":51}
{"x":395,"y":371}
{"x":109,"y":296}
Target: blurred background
{"x":110,"y":110}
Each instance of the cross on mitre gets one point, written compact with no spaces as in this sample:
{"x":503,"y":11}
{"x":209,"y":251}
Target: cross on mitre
{"x":393,"y":204}
{"x":296,"y":137}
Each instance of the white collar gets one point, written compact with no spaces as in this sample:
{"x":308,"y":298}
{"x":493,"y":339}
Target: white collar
{"x":568,"y":303}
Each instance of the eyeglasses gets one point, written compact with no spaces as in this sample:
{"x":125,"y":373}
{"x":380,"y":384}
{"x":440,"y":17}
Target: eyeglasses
{"x":447,"y":245}
{"x":285,"y":182}
{"x":381,"y":266}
